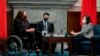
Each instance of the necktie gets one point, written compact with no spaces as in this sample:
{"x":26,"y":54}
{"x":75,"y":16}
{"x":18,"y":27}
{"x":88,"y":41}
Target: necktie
{"x":44,"y":25}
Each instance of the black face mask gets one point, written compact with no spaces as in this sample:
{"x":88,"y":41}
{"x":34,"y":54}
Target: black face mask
{"x":45,"y":19}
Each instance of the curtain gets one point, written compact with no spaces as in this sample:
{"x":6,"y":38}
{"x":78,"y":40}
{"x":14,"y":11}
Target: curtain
{"x":3,"y":19}
{"x":89,"y":8}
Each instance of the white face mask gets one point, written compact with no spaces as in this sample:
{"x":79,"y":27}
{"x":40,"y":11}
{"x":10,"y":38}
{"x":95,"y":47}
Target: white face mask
{"x":84,"y":20}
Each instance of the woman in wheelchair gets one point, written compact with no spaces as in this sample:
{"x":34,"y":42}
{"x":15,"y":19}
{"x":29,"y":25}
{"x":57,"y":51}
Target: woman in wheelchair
{"x":85,"y":34}
{"x":22,"y":28}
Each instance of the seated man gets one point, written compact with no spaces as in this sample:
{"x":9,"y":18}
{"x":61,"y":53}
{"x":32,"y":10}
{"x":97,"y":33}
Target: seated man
{"x":22,"y":27}
{"x":44,"y":27}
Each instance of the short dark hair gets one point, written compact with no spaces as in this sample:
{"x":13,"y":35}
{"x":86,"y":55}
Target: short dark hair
{"x":46,"y":13}
{"x":87,"y":19}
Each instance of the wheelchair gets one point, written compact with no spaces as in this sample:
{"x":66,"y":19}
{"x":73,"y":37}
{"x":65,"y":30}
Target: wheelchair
{"x":15,"y":45}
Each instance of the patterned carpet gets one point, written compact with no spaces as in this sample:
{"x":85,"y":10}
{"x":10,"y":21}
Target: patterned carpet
{"x":33,"y":53}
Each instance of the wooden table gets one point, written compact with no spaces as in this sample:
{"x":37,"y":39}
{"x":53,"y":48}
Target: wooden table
{"x":58,"y":40}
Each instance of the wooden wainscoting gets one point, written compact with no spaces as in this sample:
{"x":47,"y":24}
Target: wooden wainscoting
{"x":73,"y":21}
{"x":9,"y":19}
{"x":98,"y":18}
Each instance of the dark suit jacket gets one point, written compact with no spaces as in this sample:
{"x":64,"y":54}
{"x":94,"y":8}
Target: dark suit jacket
{"x":40,"y":27}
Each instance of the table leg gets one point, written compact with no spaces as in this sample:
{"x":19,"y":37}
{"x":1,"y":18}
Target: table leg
{"x":50,"y":49}
{"x":70,"y":49}
{"x":62,"y":50}
{"x":42,"y":48}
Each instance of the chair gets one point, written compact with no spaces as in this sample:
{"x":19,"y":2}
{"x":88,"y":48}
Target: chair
{"x":24,"y":39}
{"x":90,"y":46}
{"x":14,"y":45}
{"x":96,"y":40}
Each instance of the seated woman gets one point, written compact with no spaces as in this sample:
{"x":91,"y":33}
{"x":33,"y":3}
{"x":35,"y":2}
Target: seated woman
{"x":22,"y":27}
{"x":85,"y":34}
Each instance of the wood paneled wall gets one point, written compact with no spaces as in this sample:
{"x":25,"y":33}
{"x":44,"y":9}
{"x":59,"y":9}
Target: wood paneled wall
{"x":9,"y":20}
{"x":73,"y":19}
{"x":98,"y":18}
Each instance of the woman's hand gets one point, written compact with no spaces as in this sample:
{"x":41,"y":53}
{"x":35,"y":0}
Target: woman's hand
{"x":72,"y":32}
{"x":30,"y":30}
{"x":75,"y":34}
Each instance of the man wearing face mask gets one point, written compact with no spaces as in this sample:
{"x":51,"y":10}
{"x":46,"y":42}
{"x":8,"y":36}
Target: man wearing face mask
{"x":44,"y":27}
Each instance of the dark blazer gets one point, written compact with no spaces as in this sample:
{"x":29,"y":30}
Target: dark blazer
{"x":21,"y":26}
{"x":40,"y":26}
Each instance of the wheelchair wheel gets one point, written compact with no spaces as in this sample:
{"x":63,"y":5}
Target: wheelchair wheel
{"x":14,"y":45}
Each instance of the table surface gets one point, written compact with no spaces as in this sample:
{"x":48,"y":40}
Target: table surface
{"x":59,"y":39}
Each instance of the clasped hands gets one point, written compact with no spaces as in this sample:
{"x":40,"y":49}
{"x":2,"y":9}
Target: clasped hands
{"x":30,"y":30}
{"x":74,"y":33}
